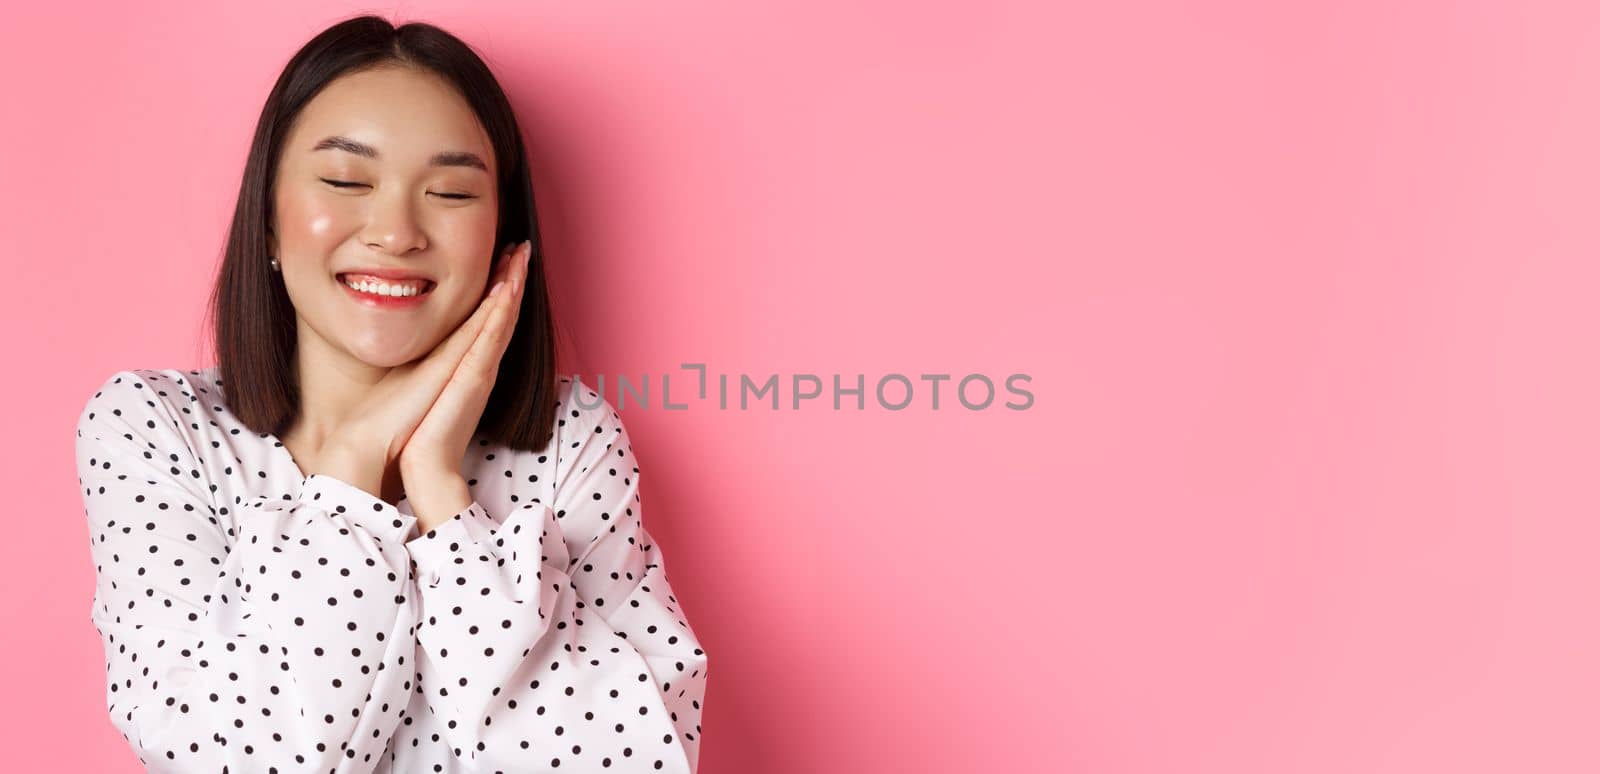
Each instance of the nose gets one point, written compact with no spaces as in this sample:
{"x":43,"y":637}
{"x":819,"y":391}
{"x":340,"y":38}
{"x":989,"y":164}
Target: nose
{"x":391,"y":225}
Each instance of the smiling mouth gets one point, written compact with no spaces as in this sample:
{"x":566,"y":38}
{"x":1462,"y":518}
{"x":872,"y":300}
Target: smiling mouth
{"x":386,"y":288}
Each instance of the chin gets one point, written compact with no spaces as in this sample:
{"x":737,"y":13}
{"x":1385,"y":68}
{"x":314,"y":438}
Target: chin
{"x":383,"y":356}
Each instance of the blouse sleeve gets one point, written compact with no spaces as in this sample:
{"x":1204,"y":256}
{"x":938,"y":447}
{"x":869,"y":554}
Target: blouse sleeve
{"x":607,"y":677}
{"x":288,"y":647}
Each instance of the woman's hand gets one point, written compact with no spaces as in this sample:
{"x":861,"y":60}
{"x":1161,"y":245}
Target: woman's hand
{"x":432,"y":455}
{"x":396,"y":405}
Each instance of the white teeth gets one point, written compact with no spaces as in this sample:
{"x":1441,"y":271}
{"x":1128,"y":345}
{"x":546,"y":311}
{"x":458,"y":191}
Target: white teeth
{"x":384,"y":289}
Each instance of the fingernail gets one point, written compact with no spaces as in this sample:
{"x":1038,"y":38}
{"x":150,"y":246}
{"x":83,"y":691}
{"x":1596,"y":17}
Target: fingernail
{"x":496,"y":288}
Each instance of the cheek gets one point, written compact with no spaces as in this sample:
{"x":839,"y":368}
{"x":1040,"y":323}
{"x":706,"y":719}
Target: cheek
{"x":469,"y":231}
{"x":467,"y":243}
{"x":307,"y":224}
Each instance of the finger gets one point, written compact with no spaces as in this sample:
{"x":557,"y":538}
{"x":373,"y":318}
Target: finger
{"x":519,"y":285}
{"x":506,"y":277}
{"x":482,"y":358}
{"x":503,"y":268}
{"x":519,"y":265}
{"x":446,"y":357}
{"x":449,"y":352}
{"x":502,"y":272}
{"x":506,"y":327}
{"x":481,"y":363}
{"x":508,"y":282}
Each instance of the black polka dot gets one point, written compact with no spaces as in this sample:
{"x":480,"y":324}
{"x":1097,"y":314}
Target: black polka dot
{"x":263,"y":619}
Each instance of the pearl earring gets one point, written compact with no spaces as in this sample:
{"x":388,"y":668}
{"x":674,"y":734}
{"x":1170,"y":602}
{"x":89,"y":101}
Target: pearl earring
{"x":275,"y":264}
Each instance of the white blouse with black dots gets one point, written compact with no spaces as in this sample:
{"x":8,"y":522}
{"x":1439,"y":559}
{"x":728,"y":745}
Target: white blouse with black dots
{"x":257,"y":619}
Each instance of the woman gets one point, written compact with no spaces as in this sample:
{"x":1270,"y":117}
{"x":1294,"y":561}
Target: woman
{"x":381,"y":534}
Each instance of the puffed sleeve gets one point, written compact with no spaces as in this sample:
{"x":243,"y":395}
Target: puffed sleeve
{"x":553,"y":638}
{"x":289,"y":647}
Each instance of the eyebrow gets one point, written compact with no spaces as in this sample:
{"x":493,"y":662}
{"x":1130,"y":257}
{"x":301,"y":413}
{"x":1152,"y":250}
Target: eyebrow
{"x":440,"y":159}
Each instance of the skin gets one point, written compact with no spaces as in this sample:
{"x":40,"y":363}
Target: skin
{"x":404,"y":214}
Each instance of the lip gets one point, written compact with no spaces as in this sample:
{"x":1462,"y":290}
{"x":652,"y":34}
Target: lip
{"x":385,"y":273}
{"x":385,"y":302}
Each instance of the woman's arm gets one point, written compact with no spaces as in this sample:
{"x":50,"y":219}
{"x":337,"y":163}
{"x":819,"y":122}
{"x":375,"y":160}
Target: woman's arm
{"x":554,"y":638}
{"x":292,"y":648}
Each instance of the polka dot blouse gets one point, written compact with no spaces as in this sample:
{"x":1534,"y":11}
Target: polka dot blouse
{"x":258,"y":619}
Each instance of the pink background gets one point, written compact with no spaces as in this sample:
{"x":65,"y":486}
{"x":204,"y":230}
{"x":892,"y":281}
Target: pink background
{"x":1308,"y":299}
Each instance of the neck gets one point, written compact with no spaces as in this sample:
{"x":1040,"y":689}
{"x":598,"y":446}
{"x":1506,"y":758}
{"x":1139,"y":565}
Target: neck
{"x":332,"y":386}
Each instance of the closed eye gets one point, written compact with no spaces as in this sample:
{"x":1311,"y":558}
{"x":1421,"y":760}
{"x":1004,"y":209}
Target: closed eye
{"x":349,"y":184}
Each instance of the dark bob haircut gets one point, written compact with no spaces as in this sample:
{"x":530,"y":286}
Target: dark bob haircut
{"x":252,"y":319}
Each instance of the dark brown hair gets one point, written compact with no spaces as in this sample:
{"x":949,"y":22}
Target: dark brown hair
{"x":252,"y":319}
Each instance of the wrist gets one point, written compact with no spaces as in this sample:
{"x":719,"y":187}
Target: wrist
{"x":367,"y":442}
{"x":351,"y":466}
{"x":435,"y":496}
{"x":424,"y":474}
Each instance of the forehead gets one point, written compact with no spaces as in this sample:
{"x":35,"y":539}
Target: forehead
{"x":407,"y":114}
